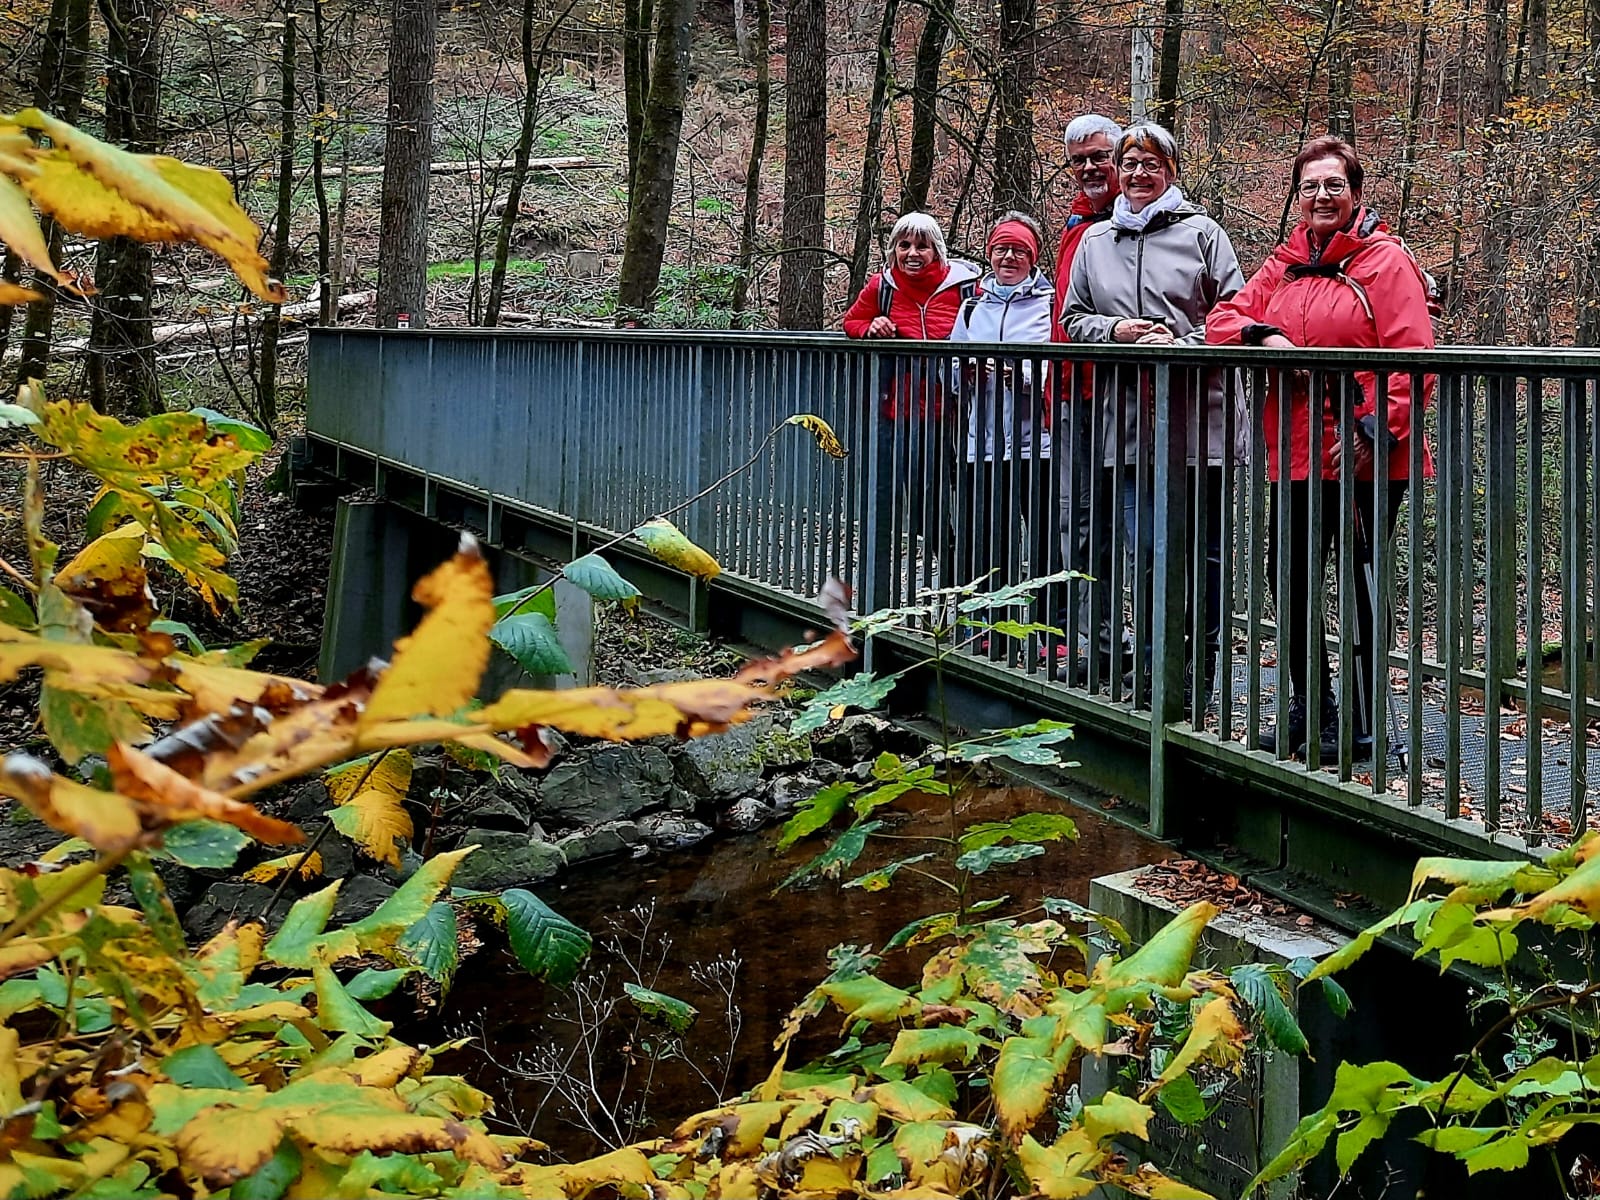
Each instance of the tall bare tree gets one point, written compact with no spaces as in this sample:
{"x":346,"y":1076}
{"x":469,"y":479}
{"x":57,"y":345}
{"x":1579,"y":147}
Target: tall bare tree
{"x":1499,"y":221}
{"x":1014,"y":154}
{"x":870,"y":203}
{"x":407,"y":154}
{"x":122,"y":357}
{"x":636,"y":23}
{"x":657,"y":169}
{"x":925,"y":107}
{"x":283,"y":222}
{"x":805,"y":165}
{"x":758,"y":150}
{"x":1166,"y":111}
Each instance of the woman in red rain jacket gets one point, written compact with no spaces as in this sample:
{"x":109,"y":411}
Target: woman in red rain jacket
{"x":1340,"y":280}
{"x":917,"y":296}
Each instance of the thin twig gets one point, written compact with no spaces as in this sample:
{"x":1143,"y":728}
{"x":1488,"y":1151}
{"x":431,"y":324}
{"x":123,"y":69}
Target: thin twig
{"x":317,"y":841}
{"x":38,"y":912}
{"x":18,"y":576}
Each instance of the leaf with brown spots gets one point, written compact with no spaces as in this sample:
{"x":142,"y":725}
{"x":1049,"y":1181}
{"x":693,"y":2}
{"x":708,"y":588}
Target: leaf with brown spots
{"x":170,"y":798}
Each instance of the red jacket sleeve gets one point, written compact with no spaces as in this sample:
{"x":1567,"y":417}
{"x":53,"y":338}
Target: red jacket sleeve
{"x":1226,"y":323}
{"x":1069,"y":239}
{"x":1400,"y":312}
{"x":863,"y":312}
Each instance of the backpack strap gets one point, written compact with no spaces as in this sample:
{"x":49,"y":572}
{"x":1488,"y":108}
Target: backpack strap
{"x":969,"y":301}
{"x":885,"y":294}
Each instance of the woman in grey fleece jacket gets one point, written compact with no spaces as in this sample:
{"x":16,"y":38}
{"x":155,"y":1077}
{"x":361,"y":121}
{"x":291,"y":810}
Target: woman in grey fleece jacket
{"x":1150,"y":276}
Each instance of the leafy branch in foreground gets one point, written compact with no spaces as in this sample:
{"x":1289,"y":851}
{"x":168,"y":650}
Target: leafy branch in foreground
{"x":1526,"y":1082}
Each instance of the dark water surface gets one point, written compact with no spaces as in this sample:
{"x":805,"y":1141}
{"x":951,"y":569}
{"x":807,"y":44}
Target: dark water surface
{"x":717,"y":900}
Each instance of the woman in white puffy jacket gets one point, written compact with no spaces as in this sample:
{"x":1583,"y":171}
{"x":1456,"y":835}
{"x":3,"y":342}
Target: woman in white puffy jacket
{"x":1003,"y":503}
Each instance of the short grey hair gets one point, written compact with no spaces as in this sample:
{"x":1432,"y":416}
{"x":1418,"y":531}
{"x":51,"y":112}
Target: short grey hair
{"x":919,"y":226}
{"x":1081,"y":129}
{"x":1153,"y":138}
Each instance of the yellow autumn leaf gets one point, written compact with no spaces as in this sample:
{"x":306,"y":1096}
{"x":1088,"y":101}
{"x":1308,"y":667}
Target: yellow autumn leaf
{"x":275,"y":868}
{"x":163,"y":199}
{"x":369,"y":798}
{"x":106,"y":820}
{"x":386,"y":1068}
{"x":80,"y":661}
{"x":1062,"y":1171}
{"x":437,"y":667}
{"x":353,"y":1130}
{"x":827,"y":441}
{"x":168,"y":798}
{"x":222,"y":1145}
{"x":20,"y":231}
{"x":121,"y":548}
{"x":108,"y":578}
{"x":216,"y":689}
{"x":668,"y":543}
{"x":1216,"y":1036}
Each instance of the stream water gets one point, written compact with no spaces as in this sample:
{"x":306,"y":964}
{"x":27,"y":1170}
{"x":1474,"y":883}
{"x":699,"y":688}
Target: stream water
{"x":704,"y":907}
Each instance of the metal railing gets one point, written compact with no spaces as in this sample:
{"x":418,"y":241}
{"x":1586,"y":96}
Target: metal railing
{"x":1479,"y":685}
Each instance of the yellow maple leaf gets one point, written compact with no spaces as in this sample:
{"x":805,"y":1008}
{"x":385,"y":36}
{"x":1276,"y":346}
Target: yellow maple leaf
{"x":276,"y":868}
{"x":222,"y":1145}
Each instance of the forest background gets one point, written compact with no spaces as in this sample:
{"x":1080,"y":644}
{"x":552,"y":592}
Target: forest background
{"x":729,"y":162}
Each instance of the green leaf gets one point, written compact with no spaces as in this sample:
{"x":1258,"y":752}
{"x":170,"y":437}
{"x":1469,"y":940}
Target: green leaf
{"x":544,"y":942}
{"x":1260,"y":991}
{"x":1031,"y":748}
{"x":815,"y":813}
{"x":200,"y":1066}
{"x":864,"y":690}
{"x":941,"y":1044}
{"x":986,"y":857}
{"x":272,"y":1179}
{"x":1029,"y":827}
{"x":1477,"y":882}
{"x":410,"y":902}
{"x":151,"y":894}
{"x":830,"y":864}
{"x":1183,"y":1101}
{"x":177,"y":629}
{"x":876,"y":881}
{"x":597,"y":577}
{"x":1373,"y":1093}
{"x":373,"y":984}
{"x":1058,"y":907}
{"x":531,"y":640}
{"x":1024,"y":1079}
{"x":291,"y":945}
{"x":675,"y":1014}
{"x":1453,"y":932}
{"x":389,"y":1174}
{"x":204,"y":844}
{"x":1013,"y":594}
{"x":1114,"y":1115}
{"x":907,"y":932}
{"x":1014,"y":629}
{"x":432,"y":943}
{"x":1365,"y":940}
{"x":1304,"y":1144}
{"x":868,"y":998}
{"x":246,"y":435}
{"x":543,"y":601}
{"x":338,"y":1010}
{"x":1164,"y":959}
{"x":15,"y":414}
{"x":887,"y":793}
{"x":14,"y":610}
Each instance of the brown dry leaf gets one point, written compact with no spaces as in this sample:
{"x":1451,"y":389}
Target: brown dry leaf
{"x":216,"y":689}
{"x":106,"y":820}
{"x":15,"y":293}
{"x":170,"y":798}
{"x":437,"y":667}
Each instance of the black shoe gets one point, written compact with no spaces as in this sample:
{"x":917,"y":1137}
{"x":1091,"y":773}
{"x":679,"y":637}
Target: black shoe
{"x":1295,"y":727}
{"x":1328,"y":738}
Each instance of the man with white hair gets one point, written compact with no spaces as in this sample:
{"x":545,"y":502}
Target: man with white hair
{"x":1086,"y":498}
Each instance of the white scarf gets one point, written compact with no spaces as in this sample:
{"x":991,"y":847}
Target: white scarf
{"x":1124,"y":217}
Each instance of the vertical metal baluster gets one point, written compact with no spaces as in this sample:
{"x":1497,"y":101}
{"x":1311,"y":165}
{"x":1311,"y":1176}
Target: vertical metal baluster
{"x":1500,"y":551}
{"x":1345,"y":546}
{"x":1230,"y":551}
{"x":1120,"y":534}
{"x":1533,"y":723}
{"x":1383,"y":594}
{"x":1286,"y":532}
{"x":1256,"y":535}
{"x":1415,"y":524}
{"x":1139,"y":535}
{"x":1105,"y":600}
{"x":1458,"y":545}
{"x":1316,"y":648}
{"x":1574,"y":617}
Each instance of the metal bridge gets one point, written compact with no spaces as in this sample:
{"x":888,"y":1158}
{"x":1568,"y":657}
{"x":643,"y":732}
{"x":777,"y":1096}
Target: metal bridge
{"x":550,"y":443}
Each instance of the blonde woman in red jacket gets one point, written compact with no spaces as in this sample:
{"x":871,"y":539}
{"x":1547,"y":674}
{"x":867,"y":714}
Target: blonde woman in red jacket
{"x":1340,"y":280}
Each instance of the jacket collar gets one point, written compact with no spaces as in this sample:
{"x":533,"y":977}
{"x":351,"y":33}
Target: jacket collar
{"x":1034,"y":285}
{"x":1365,"y":228}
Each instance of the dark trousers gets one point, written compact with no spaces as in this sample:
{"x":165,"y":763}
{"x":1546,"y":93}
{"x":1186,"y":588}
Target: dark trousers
{"x":1086,"y":516}
{"x":926,"y":465}
{"x":1307,"y":666}
{"x":1139,"y":517}
{"x":998,"y":529}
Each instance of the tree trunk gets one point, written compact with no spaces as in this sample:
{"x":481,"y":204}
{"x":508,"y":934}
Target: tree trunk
{"x":635,"y":82}
{"x":870,"y":204}
{"x":1538,"y":30}
{"x":63,"y":74}
{"x":657,"y":170}
{"x":1171,"y":61}
{"x":924,"y":109}
{"x":1014,"y":157}
{"x":1341,"y":74}
{"x":533,"y":79}
{"x":758,"y":150}
{"x":403,"y":228}
{"x":805,"y":165}
{"x":283,"y":231}
{"x":122,"y":360}
{"x":1408,"y":154}
{"x":320,"y":132}
{"x":1494,"y":251}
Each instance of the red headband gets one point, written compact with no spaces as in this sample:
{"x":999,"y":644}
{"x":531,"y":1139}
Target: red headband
{"x":1014,"y":233}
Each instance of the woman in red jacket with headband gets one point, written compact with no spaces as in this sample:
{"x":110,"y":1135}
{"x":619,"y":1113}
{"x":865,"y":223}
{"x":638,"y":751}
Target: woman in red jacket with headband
{"x":1340,"y":280}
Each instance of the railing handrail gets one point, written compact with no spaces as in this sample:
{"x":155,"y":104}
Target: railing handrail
{"x":1551,"y":360}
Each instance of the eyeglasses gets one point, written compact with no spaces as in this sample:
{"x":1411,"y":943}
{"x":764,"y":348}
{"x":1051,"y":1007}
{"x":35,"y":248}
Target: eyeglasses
{"x":1008,"y":251}
{"x":1095,"y":158}
{"x":1334,"y":187}
{"x":1150,"y":166}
